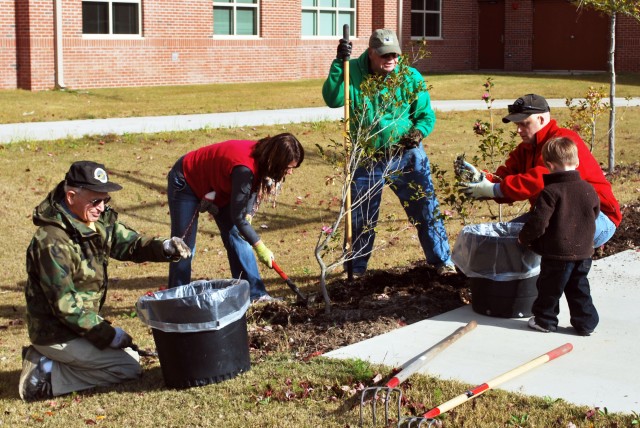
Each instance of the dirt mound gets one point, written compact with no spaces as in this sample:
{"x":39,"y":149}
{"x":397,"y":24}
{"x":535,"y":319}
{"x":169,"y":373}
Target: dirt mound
{"x":380,"y":302}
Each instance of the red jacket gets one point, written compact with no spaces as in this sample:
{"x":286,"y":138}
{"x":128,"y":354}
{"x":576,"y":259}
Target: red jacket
{"x":209,"y":168}
{"x":522,"y":172}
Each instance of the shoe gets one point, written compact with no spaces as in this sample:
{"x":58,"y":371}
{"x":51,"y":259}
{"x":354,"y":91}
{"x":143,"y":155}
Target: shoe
{"x":584,"y":332}
{"x":446,"y":270}
{"x":266,"y":298}
{"x":35,"y":382}
{"x":533,"y":325}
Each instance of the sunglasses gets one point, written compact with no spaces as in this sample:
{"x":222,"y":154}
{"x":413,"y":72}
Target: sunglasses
{"x":96,"y":202}
{"x":520,"y":108}
{"x":389,"y":55}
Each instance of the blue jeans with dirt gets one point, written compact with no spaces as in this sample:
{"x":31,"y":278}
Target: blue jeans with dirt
{"x":183,"y":209}
{"x":409,"y":176}
{"x":568,"y":277}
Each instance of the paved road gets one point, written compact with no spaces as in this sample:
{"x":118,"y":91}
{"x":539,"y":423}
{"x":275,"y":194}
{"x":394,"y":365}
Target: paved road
{"x":37,"y":131}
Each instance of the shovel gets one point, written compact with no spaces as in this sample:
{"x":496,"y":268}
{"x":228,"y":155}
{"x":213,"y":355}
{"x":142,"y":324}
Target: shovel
{"x":301,"y":297}
{"x":407,"y":369}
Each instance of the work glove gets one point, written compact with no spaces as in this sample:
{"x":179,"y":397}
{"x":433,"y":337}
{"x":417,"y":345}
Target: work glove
{"x":344,"y":50}
{"x":121,"y":340}
{"x":467,"y":172}
{"x":264,"y":254}
{"x":207,"y":205}
{"x":176,"y":249}
{"x":481,"y":190}
{"x":411,"y":139}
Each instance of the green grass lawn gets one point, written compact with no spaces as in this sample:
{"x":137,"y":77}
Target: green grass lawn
{"x":280,"y":390}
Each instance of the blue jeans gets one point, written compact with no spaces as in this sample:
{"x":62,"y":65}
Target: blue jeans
{"x":411,"y":182}
{"x":568,"y":277}
{"x":183,"y":209}
{"x":605,"y":228}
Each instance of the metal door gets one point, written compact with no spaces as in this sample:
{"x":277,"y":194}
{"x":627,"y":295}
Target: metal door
{"x":491,"y":34}
{"x":566,"y":38}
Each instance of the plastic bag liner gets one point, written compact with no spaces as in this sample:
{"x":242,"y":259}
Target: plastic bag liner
{"x":198,"y":306}
{"x":491,"y":251}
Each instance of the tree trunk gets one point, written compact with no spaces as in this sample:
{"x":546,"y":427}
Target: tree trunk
{"x":612,"y":95}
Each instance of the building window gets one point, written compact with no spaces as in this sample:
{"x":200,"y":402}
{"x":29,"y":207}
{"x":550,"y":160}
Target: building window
{"x":235,"y":17}
{"x":426,"y":18}
{"x":111,"y":17}
{"x":327,"y":17}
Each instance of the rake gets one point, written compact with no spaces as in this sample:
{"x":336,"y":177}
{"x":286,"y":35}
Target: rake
{"x":429,"y":417}
{"x":390,"y":389}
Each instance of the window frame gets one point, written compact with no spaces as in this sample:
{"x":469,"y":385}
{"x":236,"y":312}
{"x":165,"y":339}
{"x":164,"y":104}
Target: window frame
{"x":424,"y":13}
{"x":234,"y":5}
{"x":317,"y":9}
{"x":111,"y":34}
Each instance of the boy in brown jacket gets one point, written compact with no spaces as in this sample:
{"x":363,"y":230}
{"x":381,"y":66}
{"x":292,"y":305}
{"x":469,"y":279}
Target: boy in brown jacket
{"x":561,"y":230}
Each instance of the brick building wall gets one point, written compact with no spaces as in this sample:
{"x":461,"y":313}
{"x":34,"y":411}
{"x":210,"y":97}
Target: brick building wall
{"x":178,"y":46}
{"x":627,"y":44}
{"x":8,"y":60}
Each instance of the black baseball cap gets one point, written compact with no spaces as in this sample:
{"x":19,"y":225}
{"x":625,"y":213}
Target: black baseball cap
{"x":525,"y":106}
{"x":91,"y":176}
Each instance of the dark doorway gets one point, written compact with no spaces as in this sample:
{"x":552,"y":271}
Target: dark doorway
{"x":566,"y":38}
{"x":491,"y":34}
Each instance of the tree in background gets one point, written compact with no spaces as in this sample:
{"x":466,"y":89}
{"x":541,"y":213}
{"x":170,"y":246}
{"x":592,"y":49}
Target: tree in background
{"x":612,"y":8}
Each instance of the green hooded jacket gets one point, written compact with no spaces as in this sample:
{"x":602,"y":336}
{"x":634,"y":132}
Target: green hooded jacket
{"x":398,"y":119}
{"x":67,"y":271}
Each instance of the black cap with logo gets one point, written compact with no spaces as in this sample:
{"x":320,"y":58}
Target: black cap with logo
{"x":525,"y":106}
{"x":91,"y":176}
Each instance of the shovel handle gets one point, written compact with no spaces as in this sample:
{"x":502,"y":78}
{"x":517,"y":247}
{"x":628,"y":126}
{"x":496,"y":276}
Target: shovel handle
{"x":544,"y":358}
{"x":420,"y":360}
{"x":290,"y":283}
{"x":280,"y":271}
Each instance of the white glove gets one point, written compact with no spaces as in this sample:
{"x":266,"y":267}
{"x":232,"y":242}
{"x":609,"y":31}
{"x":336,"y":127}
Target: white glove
{"x":176,"y":249}
{"x":476,"y":175}
{"x":481,"y":189}
{"x":121,"y":340}
{"x":207,"y":205}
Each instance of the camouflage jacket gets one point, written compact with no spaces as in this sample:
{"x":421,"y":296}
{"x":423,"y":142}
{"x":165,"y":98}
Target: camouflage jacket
{"x":67,"y":271}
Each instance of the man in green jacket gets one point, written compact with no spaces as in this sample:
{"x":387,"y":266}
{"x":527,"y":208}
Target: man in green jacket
{"x":72,"y":346}
{"x":395,"y":132}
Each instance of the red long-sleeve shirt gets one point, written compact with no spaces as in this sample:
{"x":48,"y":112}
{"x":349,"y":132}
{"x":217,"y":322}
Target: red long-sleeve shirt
{"x":521,"y":175}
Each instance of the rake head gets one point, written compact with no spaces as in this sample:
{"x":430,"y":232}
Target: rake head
{"x":386,"y":396}
{"x":418,"y":422}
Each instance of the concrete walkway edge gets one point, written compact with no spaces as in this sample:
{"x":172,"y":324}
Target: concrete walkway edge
{"x":39,"y":131}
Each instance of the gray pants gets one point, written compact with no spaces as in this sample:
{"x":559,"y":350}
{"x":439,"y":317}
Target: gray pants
{"x":78,"y":365}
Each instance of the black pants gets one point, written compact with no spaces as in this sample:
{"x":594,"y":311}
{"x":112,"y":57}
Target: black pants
{"x":568,"y":277}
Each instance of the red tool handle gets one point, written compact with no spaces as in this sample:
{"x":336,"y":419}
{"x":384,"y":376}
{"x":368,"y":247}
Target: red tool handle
{"x":277,"y":269}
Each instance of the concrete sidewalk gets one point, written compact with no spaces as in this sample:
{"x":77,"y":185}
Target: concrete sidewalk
{"x":38,"y":131}
{"x":601,"y":371}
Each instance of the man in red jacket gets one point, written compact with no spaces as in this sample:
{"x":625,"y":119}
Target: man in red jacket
{"x":520,"y":177}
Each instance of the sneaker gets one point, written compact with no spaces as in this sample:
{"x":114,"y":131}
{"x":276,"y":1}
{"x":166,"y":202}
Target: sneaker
{"x":35,"y":382}
{"x":535,"y":326}
{"x":584,"y":332}
{"x":446,"y":269}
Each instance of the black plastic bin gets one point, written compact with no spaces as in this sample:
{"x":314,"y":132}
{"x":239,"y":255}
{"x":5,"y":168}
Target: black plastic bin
{"x":502,"y":273}
{"x":200,"y":331}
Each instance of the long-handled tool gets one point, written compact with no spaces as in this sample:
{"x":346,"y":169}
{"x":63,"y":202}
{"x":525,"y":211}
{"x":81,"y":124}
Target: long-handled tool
{"x":301,"y":297}
{"x":407,"y":369}
{"x":418,"y":421}
{"x":347,"y":148}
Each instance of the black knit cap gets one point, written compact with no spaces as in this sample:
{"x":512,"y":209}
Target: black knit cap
{"x":91,"y":176}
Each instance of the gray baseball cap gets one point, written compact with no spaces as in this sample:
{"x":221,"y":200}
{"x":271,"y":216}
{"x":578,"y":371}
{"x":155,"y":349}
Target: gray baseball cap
{"x":385,"y":41}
